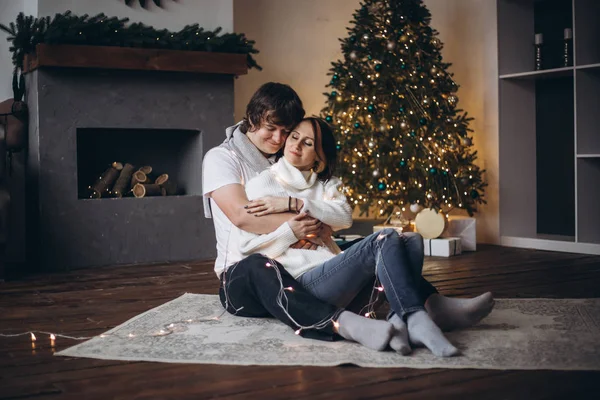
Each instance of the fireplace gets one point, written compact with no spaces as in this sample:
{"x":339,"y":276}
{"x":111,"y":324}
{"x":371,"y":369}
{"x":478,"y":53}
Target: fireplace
{"x":174,"y":153}
{"x":84,"y":119}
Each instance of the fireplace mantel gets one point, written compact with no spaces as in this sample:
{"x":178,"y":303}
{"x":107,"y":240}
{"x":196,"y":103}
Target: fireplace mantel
{"x":129,"y":58}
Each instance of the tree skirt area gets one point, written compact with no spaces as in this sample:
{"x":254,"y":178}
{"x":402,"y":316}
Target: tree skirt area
{"x":553,"y":334}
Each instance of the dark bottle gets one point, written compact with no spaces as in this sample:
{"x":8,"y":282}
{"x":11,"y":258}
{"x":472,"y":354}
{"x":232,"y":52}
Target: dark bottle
{"x":568,"y":48}
{"x":539,"y":44}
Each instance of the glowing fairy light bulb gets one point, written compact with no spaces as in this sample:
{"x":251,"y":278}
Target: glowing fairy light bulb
{"x":33,"y":338}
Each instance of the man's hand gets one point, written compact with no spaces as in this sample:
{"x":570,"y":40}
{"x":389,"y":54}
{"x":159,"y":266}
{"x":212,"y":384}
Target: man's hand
{"x":304,"y":245}
{"x":304,"y":227}
{"x":325,"y":232}
{"x":268,"y":205}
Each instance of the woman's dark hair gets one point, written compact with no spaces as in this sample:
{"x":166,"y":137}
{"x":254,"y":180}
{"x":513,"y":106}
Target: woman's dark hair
{"x":325,"y":147}
{"x":275,"y":103}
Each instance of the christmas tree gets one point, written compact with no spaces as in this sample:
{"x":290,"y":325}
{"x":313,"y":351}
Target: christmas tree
{"x":393,"y":105}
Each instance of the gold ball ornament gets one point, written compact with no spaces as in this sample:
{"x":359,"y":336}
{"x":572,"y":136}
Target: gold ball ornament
{"x":452,"y":100}
{"x":429,"y":223}
{"x":403,"y":39}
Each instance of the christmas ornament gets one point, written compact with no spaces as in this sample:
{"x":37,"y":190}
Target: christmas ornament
{"x":415,"y":208}
{"x":366,"y":36}
{"x":371,"y":145}
{"x":452,"y":100}
{"x":381,"y":186}
{"x":353,"y":55}
{"x":391,"y":45}
{"x":376,"y":173}
{"x":429,"y":223}
{"x":465,"y":141}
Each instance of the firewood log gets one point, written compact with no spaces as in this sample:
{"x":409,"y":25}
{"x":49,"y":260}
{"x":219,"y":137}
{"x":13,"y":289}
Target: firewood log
{"x":122,"y":185}
{"x":151,"y":189}
{"x":104,"y":183}
{"x":138,"y":177}
{"x":167,"y":183}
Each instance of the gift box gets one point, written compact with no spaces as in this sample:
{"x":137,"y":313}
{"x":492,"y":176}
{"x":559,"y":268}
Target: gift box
{"x":464,"y":228}
{"x":442,"y":247}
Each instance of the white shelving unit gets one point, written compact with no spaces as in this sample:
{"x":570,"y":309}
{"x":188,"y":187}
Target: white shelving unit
{"x":549,"y":126}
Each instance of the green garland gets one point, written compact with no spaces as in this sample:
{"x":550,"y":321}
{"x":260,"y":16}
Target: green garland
{"x":100,"y":30}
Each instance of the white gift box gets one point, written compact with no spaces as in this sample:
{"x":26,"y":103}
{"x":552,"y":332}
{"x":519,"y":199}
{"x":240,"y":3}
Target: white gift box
{"x":442,"y":247}
{"x":464,"y":228}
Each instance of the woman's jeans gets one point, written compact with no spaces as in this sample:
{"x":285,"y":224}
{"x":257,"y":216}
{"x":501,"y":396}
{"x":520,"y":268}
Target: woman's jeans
{"x":250,"y":288}
{"x":395,"y":259}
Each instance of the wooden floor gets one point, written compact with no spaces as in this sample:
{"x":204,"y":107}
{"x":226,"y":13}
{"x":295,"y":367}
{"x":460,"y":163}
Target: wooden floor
{"x":89,"y":302}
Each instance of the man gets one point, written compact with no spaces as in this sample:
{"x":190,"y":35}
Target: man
{"x":256,"y":286}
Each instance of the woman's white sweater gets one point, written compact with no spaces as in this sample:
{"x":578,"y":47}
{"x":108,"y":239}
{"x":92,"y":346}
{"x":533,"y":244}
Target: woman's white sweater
{"x":322,"y":201}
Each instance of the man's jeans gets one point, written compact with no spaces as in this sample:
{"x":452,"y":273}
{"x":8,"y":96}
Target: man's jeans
{"x":250,"y":288}
{"x":396,"y":260}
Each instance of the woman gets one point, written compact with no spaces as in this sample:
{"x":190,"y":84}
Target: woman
{"x":302,"y":180}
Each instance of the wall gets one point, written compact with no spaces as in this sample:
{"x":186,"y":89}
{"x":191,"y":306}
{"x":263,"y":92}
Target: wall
{"x":8,"y":13}
{"x":174,"y":14}
{"x":299,"y":39}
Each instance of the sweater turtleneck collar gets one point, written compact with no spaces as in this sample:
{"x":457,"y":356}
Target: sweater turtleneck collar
{"x":292,"y":176}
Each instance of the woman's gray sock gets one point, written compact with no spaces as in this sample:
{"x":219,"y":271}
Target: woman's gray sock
{"x":423,"y":331}
{"x":372,"y":333}
{"x":399,"y":341}
{"x":455,"y":313}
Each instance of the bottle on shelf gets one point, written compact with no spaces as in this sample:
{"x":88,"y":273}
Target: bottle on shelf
{"x":539,"y":44}
{"x":568,"y":47}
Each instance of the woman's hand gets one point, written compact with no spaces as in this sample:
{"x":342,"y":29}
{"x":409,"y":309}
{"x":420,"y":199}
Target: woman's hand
{"x":305,"y":227}
{"x":268,"y":205}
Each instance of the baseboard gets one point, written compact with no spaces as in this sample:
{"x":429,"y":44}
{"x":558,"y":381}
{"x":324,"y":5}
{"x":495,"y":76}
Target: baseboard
{"x":550,"y":245}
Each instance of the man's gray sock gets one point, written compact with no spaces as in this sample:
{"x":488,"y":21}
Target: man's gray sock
{"x":454,"y":313}
{"x":371,"y":333}
{"x":423,"y":331}
{"x":399,"y":340}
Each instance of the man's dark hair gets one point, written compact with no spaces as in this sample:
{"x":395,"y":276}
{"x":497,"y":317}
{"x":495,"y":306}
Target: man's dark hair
{"x":275,"y":103}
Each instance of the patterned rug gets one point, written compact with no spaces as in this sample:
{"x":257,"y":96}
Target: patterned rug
{"x":552,"y":334}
